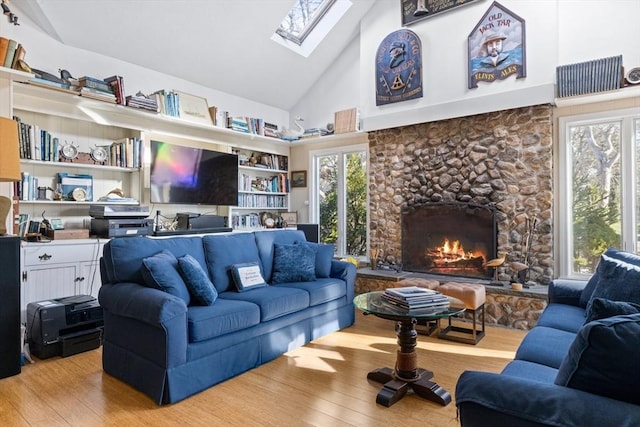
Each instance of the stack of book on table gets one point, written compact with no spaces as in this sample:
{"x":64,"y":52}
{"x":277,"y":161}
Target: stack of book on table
{"x":413,"y":298}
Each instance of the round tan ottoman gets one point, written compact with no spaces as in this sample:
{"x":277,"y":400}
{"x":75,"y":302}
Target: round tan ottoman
{"x":419,"y":282}
{"x":474,"y":297}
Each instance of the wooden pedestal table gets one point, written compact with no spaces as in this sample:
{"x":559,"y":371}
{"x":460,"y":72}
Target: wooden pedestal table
{"x":406,"y":373}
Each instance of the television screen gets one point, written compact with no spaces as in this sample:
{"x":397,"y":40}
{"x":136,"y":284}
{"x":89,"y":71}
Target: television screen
{"x":188,"y":175}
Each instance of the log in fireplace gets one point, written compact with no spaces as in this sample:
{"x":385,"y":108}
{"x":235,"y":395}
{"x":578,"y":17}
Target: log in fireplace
{"x":449,"y":238}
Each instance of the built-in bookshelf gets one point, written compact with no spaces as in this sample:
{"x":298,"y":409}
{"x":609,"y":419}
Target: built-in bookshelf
{"x":263,"y":187}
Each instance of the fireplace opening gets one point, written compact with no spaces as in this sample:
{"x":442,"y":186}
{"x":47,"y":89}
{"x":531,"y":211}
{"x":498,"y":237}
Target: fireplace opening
{"x":453,"y":239}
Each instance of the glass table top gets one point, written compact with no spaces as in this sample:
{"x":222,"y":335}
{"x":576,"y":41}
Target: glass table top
{"x":373,"y":303}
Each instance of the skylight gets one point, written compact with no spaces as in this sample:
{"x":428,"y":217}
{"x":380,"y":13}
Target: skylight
{"x":302,"y":18}
{"x":308,"y":22}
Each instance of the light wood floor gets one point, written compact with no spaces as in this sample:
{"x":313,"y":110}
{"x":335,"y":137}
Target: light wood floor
{"x":321,"y":384}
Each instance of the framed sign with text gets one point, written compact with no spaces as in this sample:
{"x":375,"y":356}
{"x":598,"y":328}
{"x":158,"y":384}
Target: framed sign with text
{"x":399,"y":68}
{"x":496,"y":47}
{"x":417,"y":10}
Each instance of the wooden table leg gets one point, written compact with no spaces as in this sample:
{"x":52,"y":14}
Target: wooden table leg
{"x":407,"y":374}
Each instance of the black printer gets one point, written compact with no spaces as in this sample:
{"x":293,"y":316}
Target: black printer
{"x":64,"y":326}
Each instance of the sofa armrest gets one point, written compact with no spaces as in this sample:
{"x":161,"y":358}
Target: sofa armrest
{"x":347,"y":272}
{"x":513,"y":401}
{"x":145,"y":321}
{"x":138,"y":302}
{"x":564,"y":291}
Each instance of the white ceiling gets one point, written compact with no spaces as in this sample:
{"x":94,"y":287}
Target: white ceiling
{"x":220,"y":44}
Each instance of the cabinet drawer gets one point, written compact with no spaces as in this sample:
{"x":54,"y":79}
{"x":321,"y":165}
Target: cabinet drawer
{"x":51,"y":254}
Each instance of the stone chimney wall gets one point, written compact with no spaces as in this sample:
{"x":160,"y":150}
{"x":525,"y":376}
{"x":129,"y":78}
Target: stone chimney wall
{"x":502,"y":159}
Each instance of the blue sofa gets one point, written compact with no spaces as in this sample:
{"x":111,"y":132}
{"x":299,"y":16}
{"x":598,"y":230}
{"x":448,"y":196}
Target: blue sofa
{"x":580,"y":365}
{"x":170,"y":341}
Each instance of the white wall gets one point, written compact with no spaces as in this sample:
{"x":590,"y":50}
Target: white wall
{"x":558,"y":32}
{"x":47,"y":54}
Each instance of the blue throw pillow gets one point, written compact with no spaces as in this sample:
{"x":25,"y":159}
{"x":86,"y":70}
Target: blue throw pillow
{"x":198,"y":283}
{"x":601,"y":308}
{"x":324,"y":255}
{"x":247,"y":276}
{"x":160,"y":271}
{"x":293,"y":263}
{"x":627,"y":257}
{"x":618,"y":280}
{"x":603,"y":359}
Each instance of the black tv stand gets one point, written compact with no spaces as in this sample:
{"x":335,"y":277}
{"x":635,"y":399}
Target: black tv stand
{"x":192,"y":231}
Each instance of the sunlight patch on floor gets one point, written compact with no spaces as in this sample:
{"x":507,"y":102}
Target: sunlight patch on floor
{"x":466,"y":350}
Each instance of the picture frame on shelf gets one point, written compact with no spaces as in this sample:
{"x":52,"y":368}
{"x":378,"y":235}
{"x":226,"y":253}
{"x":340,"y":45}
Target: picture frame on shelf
{"x":298,"y":179}
{"x":290,"y":219}
{"x":193,"y":109}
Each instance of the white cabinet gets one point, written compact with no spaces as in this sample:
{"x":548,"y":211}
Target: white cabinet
{"x":59,"y":269}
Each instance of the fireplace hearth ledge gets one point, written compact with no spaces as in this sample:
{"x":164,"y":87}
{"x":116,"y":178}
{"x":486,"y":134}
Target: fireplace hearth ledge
{"x":504,"y":306}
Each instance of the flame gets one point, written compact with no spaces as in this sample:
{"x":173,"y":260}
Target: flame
{"x":453,"y":251}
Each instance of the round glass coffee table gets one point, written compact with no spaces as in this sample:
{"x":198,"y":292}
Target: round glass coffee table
{"x":406,"y":373}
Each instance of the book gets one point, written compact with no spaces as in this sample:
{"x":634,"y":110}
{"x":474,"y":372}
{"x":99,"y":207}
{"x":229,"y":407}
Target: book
{"x":117,"y":85}
{"x":18,"y":56}
{"x":413,"y":297}
{"x":4,"y":45}
{"x":11,"y":51}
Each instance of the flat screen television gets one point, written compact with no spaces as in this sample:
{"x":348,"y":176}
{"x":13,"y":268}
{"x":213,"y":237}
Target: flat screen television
{"x":195,"y":176}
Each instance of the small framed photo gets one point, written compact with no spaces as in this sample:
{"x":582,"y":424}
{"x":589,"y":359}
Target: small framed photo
{"x":298,"y":179}
{"x":290,"y":219}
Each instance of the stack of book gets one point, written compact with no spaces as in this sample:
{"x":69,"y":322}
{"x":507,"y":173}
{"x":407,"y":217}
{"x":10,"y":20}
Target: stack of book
{"x":96,"y":89}
{"x":142,"y":102}
{"x":413,"y":297}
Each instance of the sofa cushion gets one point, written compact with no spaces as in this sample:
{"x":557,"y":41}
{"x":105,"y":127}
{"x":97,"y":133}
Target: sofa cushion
{"x":198,"y":283}
{"x":601,"y":308}
{"x":224,"y":317}
{"x":127,"y":254}
{"x":320,"y":290}
{"x":293,"y":263}
{"x":324,"y":255}
{"x":610,"y":253}
{"x":544,"y":345}
{"x":247,"y":276}
{"x":562,"y":316}
{"x":222,"y":251}
{"x":618,"y":279}
{"x":530,"y":371}
{"x":160,"y":271}
{"x":273,"y":301}
{"x":265,"y":240}
{"x":604,"y":359}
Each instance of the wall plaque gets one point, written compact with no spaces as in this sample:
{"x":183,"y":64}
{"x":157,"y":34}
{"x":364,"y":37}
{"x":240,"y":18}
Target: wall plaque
{"x":497,"y":47}
{"x":417,"y":10}
{"x":399,"y":68}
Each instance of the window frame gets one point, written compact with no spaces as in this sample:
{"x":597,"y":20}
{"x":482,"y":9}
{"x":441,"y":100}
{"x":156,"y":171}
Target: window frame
{"x":314,"y":205}
{"x":308,"y":28}
{"x":629,"y":192}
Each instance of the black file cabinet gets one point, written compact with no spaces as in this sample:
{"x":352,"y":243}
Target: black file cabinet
{"x":9,"y":306}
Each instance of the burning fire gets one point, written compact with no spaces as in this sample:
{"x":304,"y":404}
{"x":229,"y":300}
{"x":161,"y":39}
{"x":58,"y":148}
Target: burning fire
{"x":451,"y":252}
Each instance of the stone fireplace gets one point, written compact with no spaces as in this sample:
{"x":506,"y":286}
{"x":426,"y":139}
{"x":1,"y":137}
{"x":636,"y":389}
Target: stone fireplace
{"x":501,"y":161}
{"x":451,"y":239}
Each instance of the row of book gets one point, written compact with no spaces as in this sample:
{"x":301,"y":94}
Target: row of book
{"x":265,"y":161}
{"x":245,"y":124}
{"x":36,"y":143}
{"x":248,"y":200}
{"x":246,"y":221}
{"x":27,"y":187}
{"x":11,"y":52}
{"x":272,"y":184}
{"x":413,"y":297}
{"x":126,"y":153}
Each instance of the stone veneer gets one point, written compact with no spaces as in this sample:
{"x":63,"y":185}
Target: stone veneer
{"x":502,"y":159}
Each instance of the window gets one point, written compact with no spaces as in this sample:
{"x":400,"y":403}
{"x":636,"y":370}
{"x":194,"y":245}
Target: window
{"x":340,"y":198}
{"x":599,"y":189}
{"x":302,"y":18}
{"x":308,"y":23}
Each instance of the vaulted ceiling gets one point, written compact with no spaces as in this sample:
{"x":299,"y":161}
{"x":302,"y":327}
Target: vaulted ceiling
{"x":221,"y":44}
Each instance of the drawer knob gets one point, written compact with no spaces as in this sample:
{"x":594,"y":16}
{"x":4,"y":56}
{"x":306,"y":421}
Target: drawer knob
{"x":45,"y":257}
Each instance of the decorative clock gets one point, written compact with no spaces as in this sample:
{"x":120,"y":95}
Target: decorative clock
{"x":633,"y":76}
{"x":69,"y":151}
